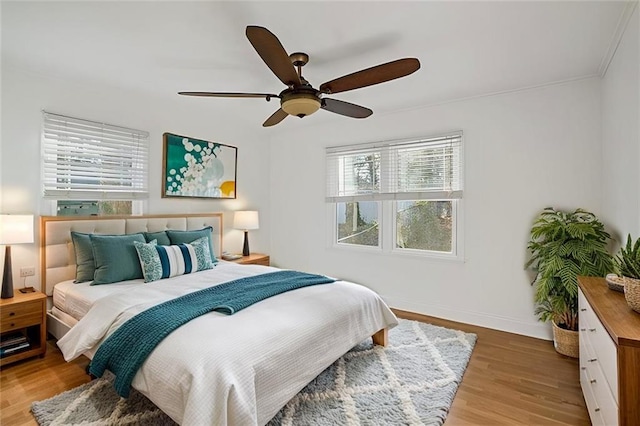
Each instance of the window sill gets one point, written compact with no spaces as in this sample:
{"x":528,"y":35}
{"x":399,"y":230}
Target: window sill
{"x":400,"y":253}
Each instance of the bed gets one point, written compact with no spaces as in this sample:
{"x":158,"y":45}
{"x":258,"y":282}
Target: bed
{"x":216,"y":369}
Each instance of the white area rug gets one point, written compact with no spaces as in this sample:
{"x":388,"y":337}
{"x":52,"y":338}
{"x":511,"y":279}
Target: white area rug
{"x":410,"y":382}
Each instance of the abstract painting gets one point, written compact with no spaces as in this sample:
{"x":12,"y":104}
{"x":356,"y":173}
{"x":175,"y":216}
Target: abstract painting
{"x":197,"y":168}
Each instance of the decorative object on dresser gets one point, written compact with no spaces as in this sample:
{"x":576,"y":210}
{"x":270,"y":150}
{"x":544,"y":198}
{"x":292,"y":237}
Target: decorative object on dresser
{"x":254,"y":259}
{"x":609,"y":355}
{"x":564,"y":245}
{"x":198,"y":168}
{"x":246,"y":220}
{"x":615,"y":282}
{"x":14,"y":229}
{"x":628,"y":262}
{"x":22,"y":327}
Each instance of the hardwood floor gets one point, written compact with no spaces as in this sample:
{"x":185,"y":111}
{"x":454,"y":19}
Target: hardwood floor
{"x":514,"y":380}
{"x":510,"y":380}
{"x":36,"y":379}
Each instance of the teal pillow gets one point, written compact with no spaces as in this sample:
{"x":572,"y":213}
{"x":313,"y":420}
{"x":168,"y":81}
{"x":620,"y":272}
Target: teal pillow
{"x":115,"y":258}
{"x":186,"y":237}
{"x":85,"y":265}
{"x":159,"y":262}
{"x":161,"y":237}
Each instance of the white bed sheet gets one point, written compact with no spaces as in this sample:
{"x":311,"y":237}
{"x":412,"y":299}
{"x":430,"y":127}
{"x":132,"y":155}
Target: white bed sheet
{"x":76,"y":299}
{"x":62,"y":317}
{"x":239,"y":369}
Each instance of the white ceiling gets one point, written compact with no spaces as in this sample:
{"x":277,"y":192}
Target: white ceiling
{"x":466,"y":48}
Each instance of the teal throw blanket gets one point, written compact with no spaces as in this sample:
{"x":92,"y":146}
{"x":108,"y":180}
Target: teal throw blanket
{"x":129,"y":346}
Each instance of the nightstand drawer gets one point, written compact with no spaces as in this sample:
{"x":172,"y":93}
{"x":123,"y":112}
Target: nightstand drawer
{"x":20,"y":315}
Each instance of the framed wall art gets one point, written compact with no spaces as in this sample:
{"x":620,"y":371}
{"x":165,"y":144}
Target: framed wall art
{"x":198,"y":169}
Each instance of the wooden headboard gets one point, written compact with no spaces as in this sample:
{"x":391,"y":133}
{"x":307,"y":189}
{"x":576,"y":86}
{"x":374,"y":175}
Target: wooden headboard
{"x":57,"y":258}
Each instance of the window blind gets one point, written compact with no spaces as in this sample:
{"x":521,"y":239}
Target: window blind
{"x":429,"y":168}
{"x":87,"y":160}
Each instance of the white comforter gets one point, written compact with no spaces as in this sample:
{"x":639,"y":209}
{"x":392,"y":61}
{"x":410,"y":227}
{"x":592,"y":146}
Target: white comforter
{"x":239,"y":369}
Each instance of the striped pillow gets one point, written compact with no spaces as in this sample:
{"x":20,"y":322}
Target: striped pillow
{"x":159,"y":262}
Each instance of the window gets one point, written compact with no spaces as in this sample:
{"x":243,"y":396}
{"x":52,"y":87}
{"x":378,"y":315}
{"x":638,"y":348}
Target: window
{"x":358,"y":223}
{"x":93,"y":208}
{"x":406,"y":191}
{"x":91,"y":168}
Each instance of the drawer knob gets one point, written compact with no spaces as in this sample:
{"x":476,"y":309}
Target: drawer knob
{"x":13,"y":324}
{"x":592,"y":360}
{"x":11,"y":314}
{"x":596,"y":410}
{"x":592,"y":329}
{"x":592,"y":381}
{"x":583,"y":368}
{"x":583,"y":309}
{"x":583,"y":329}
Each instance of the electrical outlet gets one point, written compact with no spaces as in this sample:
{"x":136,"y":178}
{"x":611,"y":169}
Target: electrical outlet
{"x":28,"y":271}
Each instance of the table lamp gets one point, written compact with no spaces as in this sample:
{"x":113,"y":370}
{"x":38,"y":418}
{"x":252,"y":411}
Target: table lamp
{"x":246,"y":220}
{"x":14,"y":229}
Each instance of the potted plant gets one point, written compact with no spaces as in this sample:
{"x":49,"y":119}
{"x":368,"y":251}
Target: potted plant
{"x":564,"y":245}
{"x":628,"y":263}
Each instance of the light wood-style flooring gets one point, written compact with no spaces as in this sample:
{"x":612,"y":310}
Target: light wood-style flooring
{"x":510,"y":380}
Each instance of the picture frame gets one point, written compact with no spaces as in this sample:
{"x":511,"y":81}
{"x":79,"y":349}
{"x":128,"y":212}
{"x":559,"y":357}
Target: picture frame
{"x":196,"y":168}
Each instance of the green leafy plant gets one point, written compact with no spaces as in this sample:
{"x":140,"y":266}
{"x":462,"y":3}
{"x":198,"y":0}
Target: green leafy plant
{"x":628,"y":259}
{"x":564,"y":245}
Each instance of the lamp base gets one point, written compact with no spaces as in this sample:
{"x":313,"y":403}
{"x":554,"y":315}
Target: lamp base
{"x":7,"y":275}
{"x":245,"y":248}
{"x":27,"y":290}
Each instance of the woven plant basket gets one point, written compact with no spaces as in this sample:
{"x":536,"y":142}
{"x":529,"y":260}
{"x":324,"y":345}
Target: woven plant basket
{"x":566,"y":341}
{"x":632,"y":293}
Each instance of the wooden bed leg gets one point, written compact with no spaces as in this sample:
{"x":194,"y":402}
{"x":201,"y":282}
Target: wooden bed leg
{"x":381,"y":337}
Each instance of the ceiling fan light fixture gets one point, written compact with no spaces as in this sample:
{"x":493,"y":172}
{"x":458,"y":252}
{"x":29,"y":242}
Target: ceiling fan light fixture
{"x":301,"y":105}
{"x":300,"y":98}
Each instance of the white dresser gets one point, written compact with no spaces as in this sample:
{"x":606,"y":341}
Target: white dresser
{"x":609,"y":354}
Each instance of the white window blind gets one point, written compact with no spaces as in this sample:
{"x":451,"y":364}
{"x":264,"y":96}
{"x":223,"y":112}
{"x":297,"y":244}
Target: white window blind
{"x":86,"y":160}
{"x":429,"y":168}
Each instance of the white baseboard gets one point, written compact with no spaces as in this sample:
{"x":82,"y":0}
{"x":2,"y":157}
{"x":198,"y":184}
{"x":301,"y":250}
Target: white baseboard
{"x":511,"y":325}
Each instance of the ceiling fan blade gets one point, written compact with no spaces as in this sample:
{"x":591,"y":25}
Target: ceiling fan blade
{"x":345,"y":108}
{"x":371,"y":76}
{"x":273,"y":54}
{"x":267,"y":96}
{"x":275,"y":118}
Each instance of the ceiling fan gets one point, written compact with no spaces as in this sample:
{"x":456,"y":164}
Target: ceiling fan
{"x":302,"y":99}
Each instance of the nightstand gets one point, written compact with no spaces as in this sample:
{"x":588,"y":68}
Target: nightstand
{"x":24,"y":315}
{"x":253,"y":259}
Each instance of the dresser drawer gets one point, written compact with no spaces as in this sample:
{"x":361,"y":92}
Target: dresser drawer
{"x":20,"y":315}
{"x":592,"y":378}
{"x":590,"y":399}
{"x":597,"y":339}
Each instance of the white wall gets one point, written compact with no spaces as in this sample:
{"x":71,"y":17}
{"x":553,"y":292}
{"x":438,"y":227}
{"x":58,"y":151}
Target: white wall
{"x":25,"y":94}
{"x":621,"y":136}
{"x":523,"y":151}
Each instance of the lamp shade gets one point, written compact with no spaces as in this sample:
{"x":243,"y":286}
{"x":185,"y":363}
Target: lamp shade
{"x":16,"y":229}
{"x":246,"y":219}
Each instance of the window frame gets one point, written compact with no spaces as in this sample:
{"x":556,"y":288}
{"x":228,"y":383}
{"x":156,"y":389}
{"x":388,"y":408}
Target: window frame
{"x":387,"y":206}
{"x":455,"y":230}
{"x":336,"y":243}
